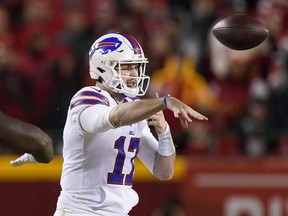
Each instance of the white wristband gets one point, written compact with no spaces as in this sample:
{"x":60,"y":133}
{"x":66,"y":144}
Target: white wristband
{"x":166,"y":146}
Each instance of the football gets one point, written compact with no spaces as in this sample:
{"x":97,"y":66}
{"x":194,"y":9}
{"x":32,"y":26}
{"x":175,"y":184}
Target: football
{"x":240,"y":32}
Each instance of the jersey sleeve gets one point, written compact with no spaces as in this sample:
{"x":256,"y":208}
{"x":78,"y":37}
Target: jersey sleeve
{"x":88,"y":97}
{"x":91,"y":109}
{"x":95,"y":119}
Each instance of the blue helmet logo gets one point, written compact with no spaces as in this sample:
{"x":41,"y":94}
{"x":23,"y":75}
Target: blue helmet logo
{"x":106,"y":46}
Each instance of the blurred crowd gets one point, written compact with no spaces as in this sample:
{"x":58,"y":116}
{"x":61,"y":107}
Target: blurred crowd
{"x":43,"y":62}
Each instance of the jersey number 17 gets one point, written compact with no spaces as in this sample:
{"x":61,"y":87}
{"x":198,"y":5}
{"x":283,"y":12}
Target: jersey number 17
{"x":117,"y":176}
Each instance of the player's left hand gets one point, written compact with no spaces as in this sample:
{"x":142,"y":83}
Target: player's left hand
{"x":158,"y":121}
{"x":25,"y":158}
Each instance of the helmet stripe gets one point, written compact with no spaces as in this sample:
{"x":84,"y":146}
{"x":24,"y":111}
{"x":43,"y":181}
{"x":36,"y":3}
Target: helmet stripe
{"x":136,"y":46}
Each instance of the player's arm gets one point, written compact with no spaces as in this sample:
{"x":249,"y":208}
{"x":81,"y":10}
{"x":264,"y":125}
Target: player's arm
{"x":26,"y":137}
{"x":100,"y":117}
{"x":132,"y":112}
{"x":158,"y":155}
{"x":164,"y":166}
{"x":165,"y":157}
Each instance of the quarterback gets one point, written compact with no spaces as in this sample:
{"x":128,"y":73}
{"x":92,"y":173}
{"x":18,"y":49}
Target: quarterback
{"x":107,"y":127}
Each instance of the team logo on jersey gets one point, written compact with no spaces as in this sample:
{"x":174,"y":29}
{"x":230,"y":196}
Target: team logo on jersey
{"x":106,"y":46}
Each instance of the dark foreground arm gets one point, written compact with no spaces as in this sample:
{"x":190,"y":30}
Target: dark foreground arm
{"x":25,"y":137}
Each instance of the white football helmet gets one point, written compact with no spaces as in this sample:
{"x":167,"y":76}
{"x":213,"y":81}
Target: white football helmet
{"x":112,"y":50}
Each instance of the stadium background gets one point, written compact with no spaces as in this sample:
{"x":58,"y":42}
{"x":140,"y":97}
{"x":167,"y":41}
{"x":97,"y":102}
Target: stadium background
{"x":235,"y":164}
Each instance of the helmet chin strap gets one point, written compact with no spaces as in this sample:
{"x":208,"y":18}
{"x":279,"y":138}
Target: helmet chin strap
{"x":132,"y":91}
{"x":127,"y":91}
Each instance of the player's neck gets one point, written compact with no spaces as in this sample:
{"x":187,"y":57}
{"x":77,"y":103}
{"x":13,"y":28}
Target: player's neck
{"x":119,"y":98}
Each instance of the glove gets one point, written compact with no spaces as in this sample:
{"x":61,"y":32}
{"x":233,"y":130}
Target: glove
{"x":25,"y":158}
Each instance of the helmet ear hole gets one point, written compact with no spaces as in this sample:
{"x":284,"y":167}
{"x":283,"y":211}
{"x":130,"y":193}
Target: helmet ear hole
{"x":100,"y":79}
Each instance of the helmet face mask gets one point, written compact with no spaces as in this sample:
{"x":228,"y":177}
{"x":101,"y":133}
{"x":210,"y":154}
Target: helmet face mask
{"x":114,"y":50}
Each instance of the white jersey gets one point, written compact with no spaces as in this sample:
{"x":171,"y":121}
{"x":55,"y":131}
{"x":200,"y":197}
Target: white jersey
{"x":98,"y":168}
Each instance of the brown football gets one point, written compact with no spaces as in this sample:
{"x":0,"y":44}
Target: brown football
{"x":240,"y":32}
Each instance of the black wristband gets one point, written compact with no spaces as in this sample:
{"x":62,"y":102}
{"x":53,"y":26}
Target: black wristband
{"x":165,"y":100}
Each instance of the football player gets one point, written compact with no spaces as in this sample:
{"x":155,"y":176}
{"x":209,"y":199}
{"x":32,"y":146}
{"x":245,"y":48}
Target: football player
{"x":107,"y":128}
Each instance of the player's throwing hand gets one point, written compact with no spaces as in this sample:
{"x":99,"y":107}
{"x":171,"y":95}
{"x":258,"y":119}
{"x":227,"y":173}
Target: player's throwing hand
{"x":182,"y":111}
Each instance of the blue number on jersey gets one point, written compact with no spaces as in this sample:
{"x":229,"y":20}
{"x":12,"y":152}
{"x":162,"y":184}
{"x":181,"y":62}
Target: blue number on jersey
{"x":117,"y":177}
